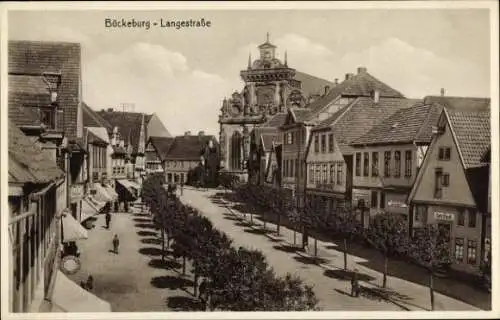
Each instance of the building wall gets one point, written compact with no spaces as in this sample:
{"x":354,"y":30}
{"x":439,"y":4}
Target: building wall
{"x":226,"y":135}
{"x":179,"y":168}
{"x":293,"y":168}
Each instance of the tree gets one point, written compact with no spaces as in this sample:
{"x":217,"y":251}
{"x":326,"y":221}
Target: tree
{"x":344,"y":223}
{"x":388,"y":233}
{"x":430,"y":248}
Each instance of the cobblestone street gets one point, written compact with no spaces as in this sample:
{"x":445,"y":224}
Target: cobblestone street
{"x":134,"y":279}
{"x":331,"y":284}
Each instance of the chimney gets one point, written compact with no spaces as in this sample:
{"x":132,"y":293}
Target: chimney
{"x":442,"y":92}
{"x":201,"y":133}
{"x":361,"y":70}
{"x":110,"y":109}
{"x":349,"y":76}
{"x":187,"y":133}
{"x":376,"y":95}
{"x":327,"y":88}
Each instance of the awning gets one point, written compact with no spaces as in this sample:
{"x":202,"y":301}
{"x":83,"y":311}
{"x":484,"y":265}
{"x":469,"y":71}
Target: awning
{"x":101,"y":194}
{"x":111,"y":191}
{"x":98,"y":205}
{"x":132,"y":192}
{"x":70,"y":297}
{"x":88,"y":210}
{"x":135,"y":185}
{"x":72,"y":229}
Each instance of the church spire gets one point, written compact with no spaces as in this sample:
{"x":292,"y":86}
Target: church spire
{"x":267,"y":38}
{"x":286,"y":60}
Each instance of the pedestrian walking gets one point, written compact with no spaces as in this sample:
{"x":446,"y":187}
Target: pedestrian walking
{"x":116,"y":243}
{"x":90,"y":283}
{"x":355,"y":284}
{"x":108,"y":219}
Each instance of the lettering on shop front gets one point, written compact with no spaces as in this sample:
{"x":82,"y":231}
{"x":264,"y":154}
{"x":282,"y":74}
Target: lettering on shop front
{"x":443,"y":216}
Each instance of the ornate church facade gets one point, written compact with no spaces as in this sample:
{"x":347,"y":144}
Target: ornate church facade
{"x":270,"y":87}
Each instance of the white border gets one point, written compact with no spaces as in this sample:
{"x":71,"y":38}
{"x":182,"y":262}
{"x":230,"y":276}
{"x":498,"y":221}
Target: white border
{"x":218,"y":5}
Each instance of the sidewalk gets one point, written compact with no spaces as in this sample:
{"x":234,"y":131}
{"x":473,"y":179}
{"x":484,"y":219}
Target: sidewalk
{"x":408,"y":295}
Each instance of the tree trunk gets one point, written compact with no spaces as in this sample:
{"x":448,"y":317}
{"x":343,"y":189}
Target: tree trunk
{"x":183,"y":265}
{"x":431,"y":288}
{"x":294,"y":237}
{"x":384,"y":281}
{"x":162,"y":245}
{"x":345,"y":254}
{"x":315,"y":247}
{"x":195,"y":285}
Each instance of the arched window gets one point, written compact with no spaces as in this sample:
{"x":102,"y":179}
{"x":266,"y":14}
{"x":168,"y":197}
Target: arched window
{"x":236,"y":146}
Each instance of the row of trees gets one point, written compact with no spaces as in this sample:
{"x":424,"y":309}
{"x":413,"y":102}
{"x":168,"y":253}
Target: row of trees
{"x":388,"y":233}
{"x":232,"y":279}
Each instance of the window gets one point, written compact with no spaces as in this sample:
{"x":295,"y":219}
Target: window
{"x":358,"y":164}
{"x":420,"y":213}
{"x":461,"y":218}
{"x":397,"y":164}
{"x":316,"y":143}
{"x":325,"y":173}
{"x":374,"y":199}
{"x":387,"y":164}
{"x":311,"y":173}
{"x":366,"y":163}
{"x":323,"y":143}
{"x":340,"y":173}
{"x":317,"y":174}
{"x":459,"y":249}
{"x":330,"y":142}
{"x":472,"y":219}
{"x":438,"y":189}
{"x":444,"y":154}
{"x":332,"y":173}
{"x":446,"y":179}
{"x":471,"y":252}
{"x":382,"y":200}
{"x":297,"y":167}
{"x":374,"y":164}
{"x":289,"y":138}
{"x":408,"y":162}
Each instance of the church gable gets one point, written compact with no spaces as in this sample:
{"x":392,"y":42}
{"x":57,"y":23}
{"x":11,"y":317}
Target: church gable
{"x":442,"y":178}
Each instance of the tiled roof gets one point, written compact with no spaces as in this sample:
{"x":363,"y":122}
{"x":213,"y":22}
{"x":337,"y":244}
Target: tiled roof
{"x":276,"y":121}
{"x":406,"y":125}
{"x":460,"y":103}
{"x":359,"y":85}
{"x":362,"y":115}
{"x":300,"y":114}
{"x":311,"y":85}
{"x":162,"y":145}
{"x":330,"y":120}
{"x":29,"y":84}
{"x":23,"y":116}
{"x":99,"y":133}
{"x":473,"y":135}
{"x":27,"y":162}
{"x":189,"y":147}
{"x":478,"y":179}
{"x":128,"y":123}
{"x":92,"y":119}
{"x":37,"y":57}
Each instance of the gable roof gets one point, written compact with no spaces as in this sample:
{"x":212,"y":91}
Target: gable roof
{"x":27,"y":161}
{"x":276,"y":121}
{"x":360,"y":85}
{"x":460,"y":103}
{"x":311,"y":85}
{"x":23,"y":116}
{"x":472,"y":133}
{"x":34,"y":58}
{"x":299,"y":114}
{"x":92,"y":119}
{"x":189,"y":147}
{"x":162,"y":145}
{"x":407,"y":125}
{"x":359,"y":117}
{"x":129,"y":125}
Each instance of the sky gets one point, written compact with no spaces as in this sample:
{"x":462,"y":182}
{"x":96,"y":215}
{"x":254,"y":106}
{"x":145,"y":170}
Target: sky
{"x":183,"y":75}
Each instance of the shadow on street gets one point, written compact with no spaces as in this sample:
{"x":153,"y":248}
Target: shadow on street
{"x":143,"y":233}
{"x":310,"y":260}
{"x":346,"y":275}
{"x":142,"y":220}
{"x":151,"y":241}
{"x":167,"y":264}
{"x":150,"y":251}
{"x":286,"y":248}
{"x":141,"y":215}
{"x":170,"y":282}
{"x":180,"y":303}
{"x":257,"y":231}
{"x":145,"y":226}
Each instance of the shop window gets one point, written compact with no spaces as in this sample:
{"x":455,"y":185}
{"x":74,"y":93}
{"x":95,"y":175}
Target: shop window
{"x":461,"y":218}
{"x":330,"y":143}
{"x":471,"y":252}
{"x":472,"y":219}
{"x":374,"y":199}
{"x":387,"y":164}
{"x":459,"y":249}
{"x":366,"y":163}
{"x":397,"y":164}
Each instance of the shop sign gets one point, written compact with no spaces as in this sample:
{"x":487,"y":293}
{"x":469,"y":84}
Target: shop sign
{"x":444,"y":216}
{"x":397,"y":204}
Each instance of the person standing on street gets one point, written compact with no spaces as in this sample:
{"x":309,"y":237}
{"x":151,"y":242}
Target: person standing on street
{"x":355,"y":284}
{"x":116,"y":243}
{"x":108,"y":219}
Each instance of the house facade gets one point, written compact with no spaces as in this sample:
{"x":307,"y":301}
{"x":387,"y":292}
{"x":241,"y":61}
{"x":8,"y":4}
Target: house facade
{"x":388,"y":157}
{"x":451,"y":188}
